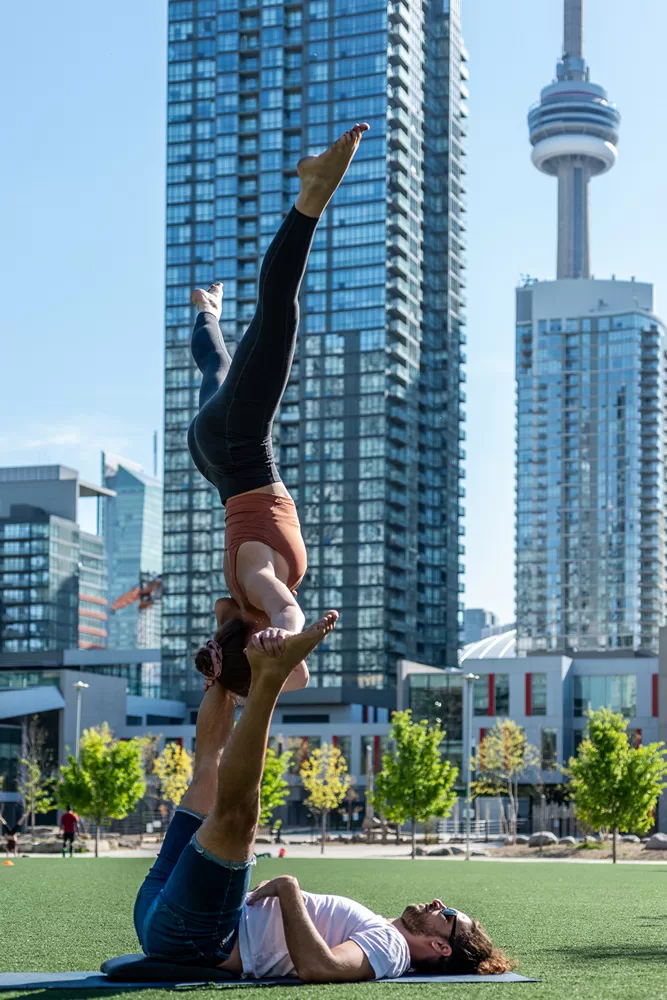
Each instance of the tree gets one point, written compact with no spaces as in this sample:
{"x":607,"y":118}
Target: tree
{"x":36,"y":781}
{"x":325,"y":778}
{"x":173,"y":768}
{"x":503,"y":756}
{"x":275,"y":789}
{"x":36,"y":789}
{"x":415,"y":782}
{"x":108,"y":779}
{"x":615,"y":785}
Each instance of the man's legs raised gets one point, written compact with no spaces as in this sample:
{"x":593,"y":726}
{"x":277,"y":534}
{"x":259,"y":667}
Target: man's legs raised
{"x":215,"y":721}
{"x":229,"y":831}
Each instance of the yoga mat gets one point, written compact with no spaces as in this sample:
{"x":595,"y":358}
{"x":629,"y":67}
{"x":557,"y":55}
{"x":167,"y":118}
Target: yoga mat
{"x":96,"y":980}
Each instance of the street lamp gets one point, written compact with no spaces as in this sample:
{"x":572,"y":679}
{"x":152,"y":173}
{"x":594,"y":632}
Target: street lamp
{"x":469,"y":681}
{"x":79,"y":687}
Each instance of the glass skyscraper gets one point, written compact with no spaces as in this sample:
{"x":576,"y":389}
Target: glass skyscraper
{"x":369,"y":432}
{"x":590,"y":547}
{"x":52,"y":574}
{"x":131,"y":524}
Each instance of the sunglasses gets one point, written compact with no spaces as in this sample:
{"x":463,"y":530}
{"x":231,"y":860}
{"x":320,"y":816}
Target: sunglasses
{"x":449,"y":912}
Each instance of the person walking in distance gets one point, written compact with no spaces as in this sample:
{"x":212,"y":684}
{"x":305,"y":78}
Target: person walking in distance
{"x":69,"y":822}
{"x":13,"y":832}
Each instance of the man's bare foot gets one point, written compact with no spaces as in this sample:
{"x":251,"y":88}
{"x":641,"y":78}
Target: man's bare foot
{"x":321,"y":175}
{"x":297,"y":648}
{"x":209,"y":301}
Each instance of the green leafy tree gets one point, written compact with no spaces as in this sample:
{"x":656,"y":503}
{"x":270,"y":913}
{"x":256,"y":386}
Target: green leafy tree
{"x":275,"y":788}
{"x":615,"y":785}
{"x":325,"y":778}
{"x":36,"y":781}
{"x":504,"y":756}
{"x":36,"y":789}
{"x":108,"y":779}
{"x":173,"y":768}
{"x":415,"y":782}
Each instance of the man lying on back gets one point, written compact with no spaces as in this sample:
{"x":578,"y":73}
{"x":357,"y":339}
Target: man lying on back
{"x":194,"y":907}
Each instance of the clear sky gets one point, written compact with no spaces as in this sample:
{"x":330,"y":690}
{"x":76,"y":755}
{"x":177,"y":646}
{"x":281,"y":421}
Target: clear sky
{"x":82,"y":227}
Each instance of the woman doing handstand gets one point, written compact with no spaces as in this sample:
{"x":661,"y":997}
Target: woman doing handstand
{"x":230,"y":438}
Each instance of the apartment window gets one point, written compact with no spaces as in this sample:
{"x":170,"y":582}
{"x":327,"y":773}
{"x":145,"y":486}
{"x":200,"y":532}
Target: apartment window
{"x":615,"y":691}
{"x":536,"y":694}
{"x":378,"y":746}
{"x":549,"y":749}
{"x":491,"y":695}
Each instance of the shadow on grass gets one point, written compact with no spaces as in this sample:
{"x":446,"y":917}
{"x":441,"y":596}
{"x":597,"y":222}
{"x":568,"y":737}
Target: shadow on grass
{"x":607,"y":952}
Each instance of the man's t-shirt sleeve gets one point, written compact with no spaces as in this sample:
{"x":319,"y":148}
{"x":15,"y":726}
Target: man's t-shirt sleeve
{"x":386,"y":950}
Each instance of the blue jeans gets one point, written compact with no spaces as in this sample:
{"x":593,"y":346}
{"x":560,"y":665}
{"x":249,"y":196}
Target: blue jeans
{"x":189,"y":906}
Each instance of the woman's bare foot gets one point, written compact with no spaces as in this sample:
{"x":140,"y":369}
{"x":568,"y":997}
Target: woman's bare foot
{"x":209,"y":301}
{"x":321,"y":175}
{"x":297,"y":648}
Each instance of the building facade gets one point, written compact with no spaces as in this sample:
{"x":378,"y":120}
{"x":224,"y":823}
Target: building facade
{"x":590,"y":544}
{"x":369,"y":432}
{"x":476,"y":623}
{"x":131,"y":525}
{"x":52,"y":574}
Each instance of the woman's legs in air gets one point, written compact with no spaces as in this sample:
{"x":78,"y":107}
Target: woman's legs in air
{"x":239,"y":399}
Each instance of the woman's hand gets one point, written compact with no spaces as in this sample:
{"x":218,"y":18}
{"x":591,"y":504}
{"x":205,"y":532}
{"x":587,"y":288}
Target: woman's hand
{"x":270,"y":641}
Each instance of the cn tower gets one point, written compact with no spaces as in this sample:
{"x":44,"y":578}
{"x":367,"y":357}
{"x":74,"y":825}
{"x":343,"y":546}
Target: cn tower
{"x":574,"y":133}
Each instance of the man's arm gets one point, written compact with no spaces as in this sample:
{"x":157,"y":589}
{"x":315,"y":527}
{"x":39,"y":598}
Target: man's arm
{"x":313,"y":959}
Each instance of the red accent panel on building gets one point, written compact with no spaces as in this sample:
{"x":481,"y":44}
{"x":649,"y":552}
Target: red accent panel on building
{"x":94,"y":600}
{"x":654,"y":696}
{"x":334,"y":741}
{"x":492,"y":694}
{"x":529,"y":694}
{"x":377,"y":754}
{"x":482,"y":734}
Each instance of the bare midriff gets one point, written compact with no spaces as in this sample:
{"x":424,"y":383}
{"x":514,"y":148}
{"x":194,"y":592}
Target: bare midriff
{"x":266,"y":518}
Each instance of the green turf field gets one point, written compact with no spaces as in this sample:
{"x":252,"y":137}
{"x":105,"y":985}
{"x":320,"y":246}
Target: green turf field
{"x":589,"y":932}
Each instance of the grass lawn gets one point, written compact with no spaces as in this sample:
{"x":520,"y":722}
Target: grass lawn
{"x":589,"y":932}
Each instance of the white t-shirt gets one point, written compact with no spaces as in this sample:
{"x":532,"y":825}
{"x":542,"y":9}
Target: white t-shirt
{"x":337,"y":919}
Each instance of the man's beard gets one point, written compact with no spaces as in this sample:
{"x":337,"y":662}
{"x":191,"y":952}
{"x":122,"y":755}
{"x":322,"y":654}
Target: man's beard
{"x":416,"y":918}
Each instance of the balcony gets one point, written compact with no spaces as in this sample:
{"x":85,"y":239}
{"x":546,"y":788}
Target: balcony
{"x":397,"y":139}
{"x":397,"y":266}
{"x":398,"y":32}
{"x":398,"y":96}
{"x":397,"y":286}
{"x":398,"y":56}
{"x":399,"y":76}
{"x":398,"y":244}
{"x":398,"y":14}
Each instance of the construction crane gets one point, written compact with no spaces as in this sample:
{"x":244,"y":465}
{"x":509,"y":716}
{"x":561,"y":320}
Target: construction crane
{"x":148,"y":594}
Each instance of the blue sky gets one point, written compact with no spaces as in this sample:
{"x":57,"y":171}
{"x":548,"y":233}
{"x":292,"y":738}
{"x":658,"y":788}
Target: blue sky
{"x":82,"y":215}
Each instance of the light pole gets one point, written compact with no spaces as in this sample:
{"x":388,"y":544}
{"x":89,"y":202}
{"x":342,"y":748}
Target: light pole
{"x":79,"y":687}
{"x":469,"y":681}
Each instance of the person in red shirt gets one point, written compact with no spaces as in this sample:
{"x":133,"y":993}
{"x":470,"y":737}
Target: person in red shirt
{"x":69,"y":822}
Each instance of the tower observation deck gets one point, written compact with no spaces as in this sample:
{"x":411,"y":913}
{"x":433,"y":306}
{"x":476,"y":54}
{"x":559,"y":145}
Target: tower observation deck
{"x":574,"y":133}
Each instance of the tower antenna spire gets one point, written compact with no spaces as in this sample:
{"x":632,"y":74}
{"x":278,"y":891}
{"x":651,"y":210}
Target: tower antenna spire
{"x":573,"y":29}
{"x":574,"y":133}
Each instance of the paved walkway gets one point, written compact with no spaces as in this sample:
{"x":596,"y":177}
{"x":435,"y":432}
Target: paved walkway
{"x":336,"y":852}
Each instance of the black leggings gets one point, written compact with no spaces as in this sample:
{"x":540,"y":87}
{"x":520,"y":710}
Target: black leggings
{"x":230,"y":438}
